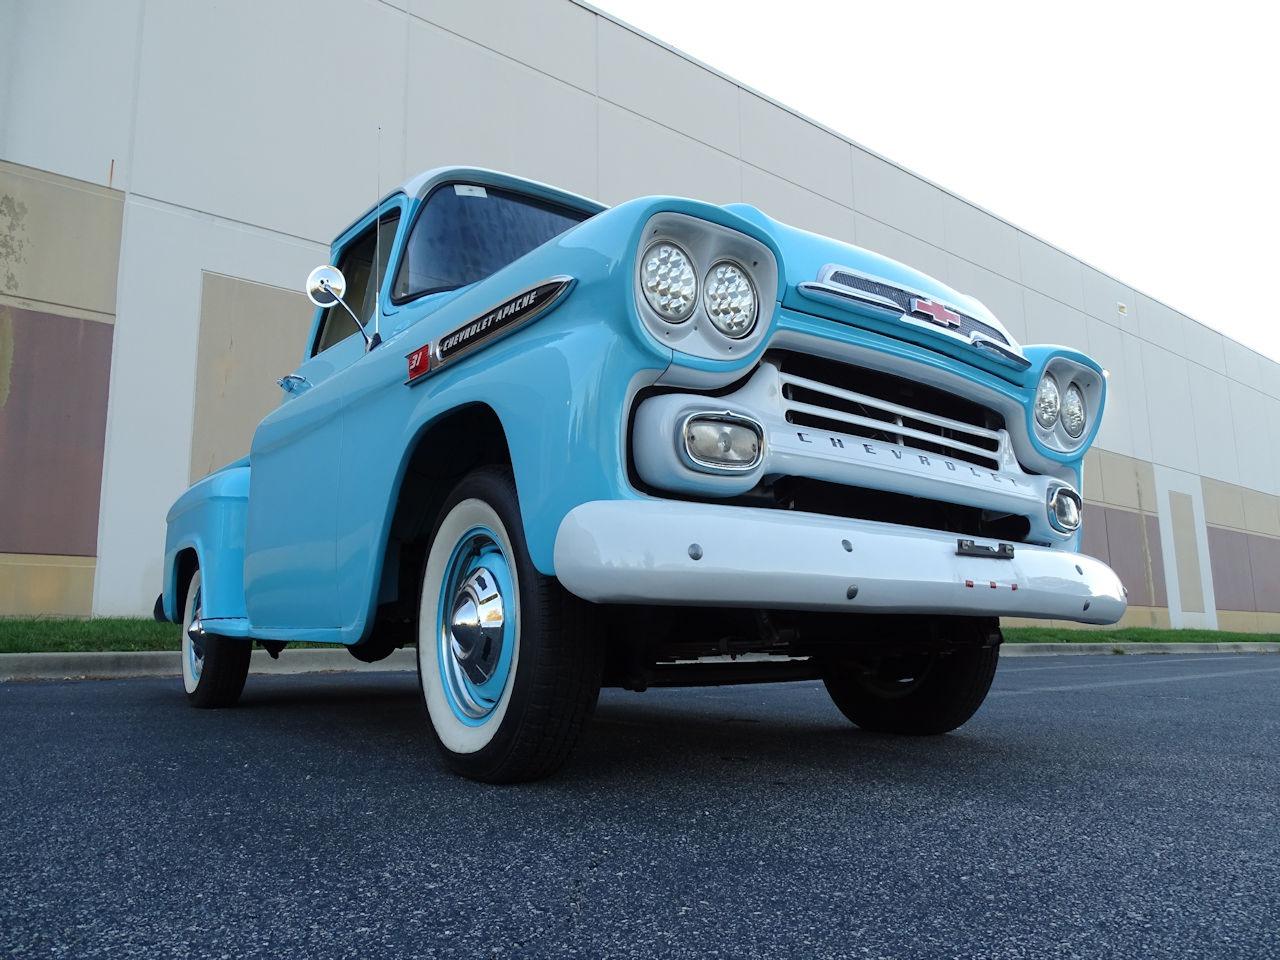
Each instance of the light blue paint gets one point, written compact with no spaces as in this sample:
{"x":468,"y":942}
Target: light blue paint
{"x":301,"y":559}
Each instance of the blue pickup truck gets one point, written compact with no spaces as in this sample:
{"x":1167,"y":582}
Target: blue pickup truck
{"x":555,"y":446}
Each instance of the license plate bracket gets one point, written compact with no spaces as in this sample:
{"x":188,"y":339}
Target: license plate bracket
{"x":970,"y":548}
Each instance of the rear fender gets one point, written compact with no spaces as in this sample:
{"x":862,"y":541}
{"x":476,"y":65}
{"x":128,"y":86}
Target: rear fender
{"x":209,"y":520}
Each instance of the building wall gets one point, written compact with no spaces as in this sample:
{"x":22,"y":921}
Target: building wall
{"x":233,"y":140}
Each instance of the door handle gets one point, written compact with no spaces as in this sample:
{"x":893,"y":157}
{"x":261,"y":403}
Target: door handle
{"x":292,"y":383}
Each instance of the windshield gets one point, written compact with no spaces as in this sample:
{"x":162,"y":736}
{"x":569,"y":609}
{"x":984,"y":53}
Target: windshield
{"x":465,"y":233}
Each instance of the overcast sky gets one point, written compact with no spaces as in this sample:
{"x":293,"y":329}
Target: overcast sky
{"x":1141,"y":138}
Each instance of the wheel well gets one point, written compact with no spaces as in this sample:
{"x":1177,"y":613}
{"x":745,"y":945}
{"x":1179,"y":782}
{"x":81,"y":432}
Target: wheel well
{"x":184,"y":565}
{"x":448,"y":449}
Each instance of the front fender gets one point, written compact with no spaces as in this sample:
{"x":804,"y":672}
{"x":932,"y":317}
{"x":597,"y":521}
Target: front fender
{"x":209,"y":519}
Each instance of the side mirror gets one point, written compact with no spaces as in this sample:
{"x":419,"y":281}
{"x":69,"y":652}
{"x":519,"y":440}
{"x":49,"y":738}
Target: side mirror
{"x":326,"y":286}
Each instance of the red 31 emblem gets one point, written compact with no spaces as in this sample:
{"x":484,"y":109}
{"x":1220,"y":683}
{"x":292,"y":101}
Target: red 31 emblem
{"x":419,"y":362}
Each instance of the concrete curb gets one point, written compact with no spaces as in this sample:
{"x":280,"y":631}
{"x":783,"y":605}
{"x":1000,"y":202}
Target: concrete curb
{"x":107,"y":666}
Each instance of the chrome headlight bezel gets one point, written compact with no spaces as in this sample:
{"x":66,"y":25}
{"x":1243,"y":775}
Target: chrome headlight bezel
{"x":707,"y":244}
{"x":1065,"y":373}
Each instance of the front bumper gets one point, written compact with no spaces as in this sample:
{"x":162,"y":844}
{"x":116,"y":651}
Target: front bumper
{"x":642,"y":551}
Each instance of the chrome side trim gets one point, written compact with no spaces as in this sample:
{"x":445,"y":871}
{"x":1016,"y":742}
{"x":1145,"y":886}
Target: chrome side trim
{"x":999,"y":350}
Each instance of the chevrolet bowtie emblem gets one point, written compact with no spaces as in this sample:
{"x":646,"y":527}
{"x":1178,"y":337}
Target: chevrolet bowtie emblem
{"x":935,"y":312}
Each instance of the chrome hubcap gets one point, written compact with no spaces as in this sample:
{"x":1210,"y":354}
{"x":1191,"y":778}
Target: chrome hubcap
{"x":195,"y":639}
{"x":476,"y":627}
{"x":475,"y":635}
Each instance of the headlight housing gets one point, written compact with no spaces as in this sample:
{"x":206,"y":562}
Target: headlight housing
{"x":730,"y":299}
{"x":1048,"y":402}
{"x":669,"y":281}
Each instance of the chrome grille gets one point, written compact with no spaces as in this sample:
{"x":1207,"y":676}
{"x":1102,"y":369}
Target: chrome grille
{"x":903,"y":299}
{"x":877,"y":407}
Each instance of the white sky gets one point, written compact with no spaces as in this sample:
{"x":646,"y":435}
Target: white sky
{"x":1142,"y":138}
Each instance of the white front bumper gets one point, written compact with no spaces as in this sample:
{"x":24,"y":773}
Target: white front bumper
{"x":642,"y":551}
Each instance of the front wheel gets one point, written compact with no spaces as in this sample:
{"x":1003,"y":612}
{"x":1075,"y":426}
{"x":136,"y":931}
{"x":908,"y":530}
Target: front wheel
{"x":918,"y":693}
{"x":213,"y":668}
{"x":508,"y":665}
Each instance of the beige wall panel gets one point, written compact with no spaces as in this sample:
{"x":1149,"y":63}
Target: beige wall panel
{"x":1127,"y":482}
{"x":1238,"y":621}
{"x":1261,"y":512}
{"x":59,"y":239}
{"x":1223,"y":504}
{"x":1093,"y":476}
{"x":34,"y":585}
{"x":249,"y":336}
{"x":1183,"y":518}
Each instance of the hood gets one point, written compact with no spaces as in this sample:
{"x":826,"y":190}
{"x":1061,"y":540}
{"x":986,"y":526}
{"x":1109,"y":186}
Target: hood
{"x":850,"y":284}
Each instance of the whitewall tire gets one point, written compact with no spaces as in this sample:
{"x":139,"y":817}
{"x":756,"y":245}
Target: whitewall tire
{"x":508,"y":665}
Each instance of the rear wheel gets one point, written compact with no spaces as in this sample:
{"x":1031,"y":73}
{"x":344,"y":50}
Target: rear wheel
{"x":918,"y":693}
{"x":508,"y":665}
{"x":213,"y":668}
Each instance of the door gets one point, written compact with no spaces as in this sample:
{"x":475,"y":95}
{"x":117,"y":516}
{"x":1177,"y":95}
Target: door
{"x":290,"y":570}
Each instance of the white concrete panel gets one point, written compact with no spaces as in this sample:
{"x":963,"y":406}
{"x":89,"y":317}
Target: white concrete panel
{"x":1050,"y":271}
{"x":1002,"y":296}
{"x":910,"y":250}
{"x":1106,"y":345}
{"x":1162,"y":325}
{"x":1258,"y":455}
{"x":797,"y":206}
{"x":512,"y":118}
{"x":1168,"y":481}
{"x":639,"y":157}
{"x":1135,"y":395}
{"x":234,"y":99}
{"x":979,"y":237}
{"x":554,"y":36}
{"x":1271,"y":408}
{"x":1049,"y":321}
{"x":148,"y":443}
{"x":1103,"y":297}
{"x":1243,"y":364}
{"x":781,"y":143}
{"x":67,"y":104}
{"x":1215,"y":436}
{"x":1270,"y":376}
{"x":1204,"y":346}
{"x":1173,"y":436}
{"x":891,"y":195}
{"x":650,"y":80}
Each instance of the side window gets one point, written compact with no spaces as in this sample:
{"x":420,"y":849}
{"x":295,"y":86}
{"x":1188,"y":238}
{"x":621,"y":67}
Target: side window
{"x":465,"y":233}
{"x":356,"y":264}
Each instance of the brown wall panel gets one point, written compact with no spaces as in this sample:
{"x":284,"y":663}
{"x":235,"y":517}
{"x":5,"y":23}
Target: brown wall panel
{"x":1232,"y":569}
{"x":1093,"y":535}
{"x":1264,"y":558}
{"x":54,"y":373}
{"x":1133,"y":543}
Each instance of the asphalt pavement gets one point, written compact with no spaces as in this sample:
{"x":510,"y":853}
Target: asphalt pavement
{"x":1095,"y":807}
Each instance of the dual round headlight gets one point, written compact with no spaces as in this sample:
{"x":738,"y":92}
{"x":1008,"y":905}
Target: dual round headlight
{"x":1052,"y":405}
{"x":670,"y":285}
